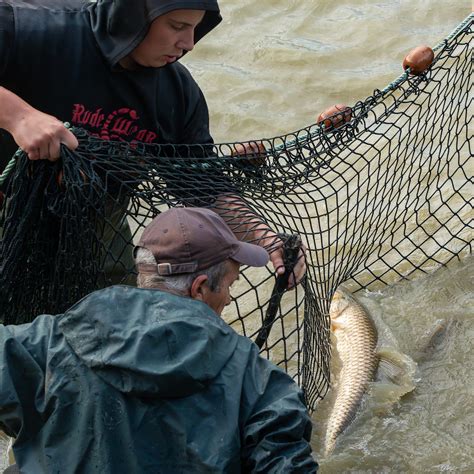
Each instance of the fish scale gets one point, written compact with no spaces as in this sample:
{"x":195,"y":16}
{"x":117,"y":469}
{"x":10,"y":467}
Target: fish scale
{"x":356,"y":341}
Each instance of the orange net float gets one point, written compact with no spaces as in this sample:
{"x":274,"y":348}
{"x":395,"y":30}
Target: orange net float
{"x":59,"y":178}
{"x":335,"y":116}
{"x":254,"y":152}
{"x":418,"y":60}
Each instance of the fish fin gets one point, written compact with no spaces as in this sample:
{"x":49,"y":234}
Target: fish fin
{"x":434,"y":339}
{"x":395,"y":367}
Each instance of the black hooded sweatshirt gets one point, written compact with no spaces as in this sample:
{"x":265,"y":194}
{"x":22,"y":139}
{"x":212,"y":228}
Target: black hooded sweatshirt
{"x":62,"y":57}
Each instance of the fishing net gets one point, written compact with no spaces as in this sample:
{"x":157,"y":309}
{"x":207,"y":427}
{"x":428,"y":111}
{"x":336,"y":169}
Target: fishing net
{"x":383,"y":197}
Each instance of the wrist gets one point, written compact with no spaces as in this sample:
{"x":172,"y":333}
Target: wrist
{"x":265,"y":236}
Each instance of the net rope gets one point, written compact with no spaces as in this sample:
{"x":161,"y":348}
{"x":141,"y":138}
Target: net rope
{"x":387,"y":196}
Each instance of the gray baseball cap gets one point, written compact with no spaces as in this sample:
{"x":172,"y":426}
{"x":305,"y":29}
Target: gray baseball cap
{"x":186,"y":240}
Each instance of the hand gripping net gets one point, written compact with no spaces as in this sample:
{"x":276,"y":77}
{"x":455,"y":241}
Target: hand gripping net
{"x":386,"y":196}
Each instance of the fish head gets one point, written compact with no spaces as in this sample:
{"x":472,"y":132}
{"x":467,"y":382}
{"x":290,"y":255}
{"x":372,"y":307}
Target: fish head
{"x":338,"y":313}
{"x":344,"y":309}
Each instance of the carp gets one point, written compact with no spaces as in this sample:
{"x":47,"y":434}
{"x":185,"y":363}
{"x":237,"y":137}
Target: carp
{"x":356,"y":345}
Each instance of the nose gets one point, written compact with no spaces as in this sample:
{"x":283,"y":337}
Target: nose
{"x":186,"y":41}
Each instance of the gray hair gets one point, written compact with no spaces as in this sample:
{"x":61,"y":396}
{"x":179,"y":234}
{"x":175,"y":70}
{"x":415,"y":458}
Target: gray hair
{"x":176,"y":283}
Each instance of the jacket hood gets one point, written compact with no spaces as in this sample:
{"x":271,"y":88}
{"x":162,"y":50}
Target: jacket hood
{"x":120,"y":25}
{"x":148,"y":342}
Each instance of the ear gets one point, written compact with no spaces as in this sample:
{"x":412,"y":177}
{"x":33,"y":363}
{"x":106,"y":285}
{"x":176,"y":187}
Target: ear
{"x":199,"y":288}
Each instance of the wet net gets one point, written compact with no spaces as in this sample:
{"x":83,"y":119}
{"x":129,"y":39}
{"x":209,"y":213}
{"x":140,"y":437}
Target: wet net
{"x":385,"y":196}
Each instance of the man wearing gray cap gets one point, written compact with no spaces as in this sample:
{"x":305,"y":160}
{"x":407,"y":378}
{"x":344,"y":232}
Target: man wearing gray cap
{"x":151,"y":379}
{"x":192,"y":252}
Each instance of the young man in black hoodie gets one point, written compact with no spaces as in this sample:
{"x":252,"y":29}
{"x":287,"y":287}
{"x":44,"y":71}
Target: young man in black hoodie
{"x":94,"y":65}
{"x":111,"y":67}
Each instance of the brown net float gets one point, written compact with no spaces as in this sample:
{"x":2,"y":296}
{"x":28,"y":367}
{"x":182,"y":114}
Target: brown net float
{"x":335,"y":116}
{"x":60,"y":176}
{"x":418,"y":60}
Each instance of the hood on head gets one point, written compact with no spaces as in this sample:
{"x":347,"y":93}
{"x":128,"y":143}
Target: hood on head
{"x":148,"y":342}
{"x":120,"y":25}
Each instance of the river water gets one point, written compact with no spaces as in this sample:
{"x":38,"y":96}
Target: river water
{"x":270,"y":69}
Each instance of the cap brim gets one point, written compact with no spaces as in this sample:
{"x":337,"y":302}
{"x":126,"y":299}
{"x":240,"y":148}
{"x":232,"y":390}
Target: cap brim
{"x":251,"y":254}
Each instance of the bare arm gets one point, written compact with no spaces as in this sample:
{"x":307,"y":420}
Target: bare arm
{"x":249,"y":227}
{"x":36,"y":133}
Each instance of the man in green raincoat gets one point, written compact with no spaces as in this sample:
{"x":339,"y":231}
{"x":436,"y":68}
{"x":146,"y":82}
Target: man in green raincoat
{"x":151,"y":379}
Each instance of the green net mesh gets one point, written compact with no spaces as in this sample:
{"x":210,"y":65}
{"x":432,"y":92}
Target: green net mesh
{"x":397,"y":176}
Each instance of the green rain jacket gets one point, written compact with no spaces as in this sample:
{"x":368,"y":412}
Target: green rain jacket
{"x":141,"y":381}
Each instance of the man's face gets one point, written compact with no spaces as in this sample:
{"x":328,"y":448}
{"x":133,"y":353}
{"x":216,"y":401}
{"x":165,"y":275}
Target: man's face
{"x":219,"y":299}
{"x":169,"y":36}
